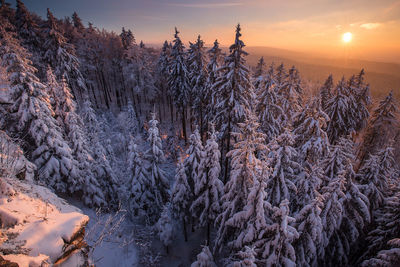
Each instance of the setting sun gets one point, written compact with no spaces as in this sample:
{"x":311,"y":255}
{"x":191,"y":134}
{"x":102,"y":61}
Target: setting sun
{"x":347,"y":37}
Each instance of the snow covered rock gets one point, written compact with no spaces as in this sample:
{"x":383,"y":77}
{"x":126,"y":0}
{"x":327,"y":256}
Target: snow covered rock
{"x":38,"y":227}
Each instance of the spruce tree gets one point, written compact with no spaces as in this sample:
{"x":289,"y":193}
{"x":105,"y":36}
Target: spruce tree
{"x":233,"y":93}
{"x":155,"y":157}
{"x":198,"y":75}
{"x":242,"y":176}
{"x":247,"y":258}
{"x":208,"y":187}
{"x":178,"y":80}
{"x":193,"y":160}
{"x":181,"y":196}
{"x":165,"y":227}
{"x":325,"y":92}
{"x":204,"y":259}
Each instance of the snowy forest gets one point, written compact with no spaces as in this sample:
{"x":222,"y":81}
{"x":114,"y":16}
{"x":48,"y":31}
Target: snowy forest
{"x":188,"y":156}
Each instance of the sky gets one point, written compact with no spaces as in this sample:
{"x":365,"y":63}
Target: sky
{"x":300,"y":25}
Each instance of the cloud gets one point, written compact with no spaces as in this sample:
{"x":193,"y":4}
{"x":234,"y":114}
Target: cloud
{"x":370,"y":26}
{"x":206,"y":5}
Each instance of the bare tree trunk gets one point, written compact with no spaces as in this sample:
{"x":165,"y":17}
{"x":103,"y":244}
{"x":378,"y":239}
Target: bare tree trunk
{"x":184,"y":230}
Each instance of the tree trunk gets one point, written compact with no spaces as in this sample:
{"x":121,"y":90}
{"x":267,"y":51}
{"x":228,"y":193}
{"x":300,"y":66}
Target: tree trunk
{"x":184,"y":125}
{"x":184,"y":230}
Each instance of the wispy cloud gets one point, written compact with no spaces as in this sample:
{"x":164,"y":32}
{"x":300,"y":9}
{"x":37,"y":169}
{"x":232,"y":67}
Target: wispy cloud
{"x":370,"y":26}
{"x":206,"y":5}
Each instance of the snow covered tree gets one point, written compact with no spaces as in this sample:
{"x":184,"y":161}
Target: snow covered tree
{"x":181,"y":196}
{"x":141,"y":198}
{"x":242,"y":176}
{"x":61,"y":57}
{"x":381,"y":127}
{"x":354,"y":219}
{"x":162,"y":71}
{"x":247,"y":258}
{"x":194,"y":158}
{"x":310,"y":228}
{"x":233,"y":93}
{"x":26,"y":26}
{"x":198,"y":75}
{"x":325,"y":92}
{"x":155,"y":157}
{"x":376,"y":175}
{"x":204,"y":259}
{"x":279,"y":251}
{"x":283,"y":159}
{"x":341,"y":154}
{"x":215,"y":59}
{"x":165,"y":227}
{"x":340,"y":109}
{"x":32,"y":118}
{"x":289,"y":93}
{"x":258,"y":75}
{"x":178,"y":80}
{"x":311,"y":140}
{"x":388,"y":227}
{"x":251,"y":222}
{"x":272,"y":116}
{"x":208,"y":188}
{"x":127,"y":38}
{"x":387,"y":257}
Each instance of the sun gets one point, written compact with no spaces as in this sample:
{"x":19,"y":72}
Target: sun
{"x":347,"y":37}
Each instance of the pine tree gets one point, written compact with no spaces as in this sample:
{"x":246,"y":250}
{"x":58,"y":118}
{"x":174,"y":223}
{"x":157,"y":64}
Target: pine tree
{"x":208,"y":188}
{"x":325,"y":92}
{"x":32,"y":118}
{"x":77,"y":22}
{"x":311,"y":140}
{"x":181,"y":196}
{"x":26,"y":26}
{"x":381,"y":127}
{"x":204,"y":259}
{"x":155,"y":157}
{"x":341,"y":111}
{"x":198,"y":75}
{"x":376,"y":175}
{"x":310,"y":228}
{"x":233,"y":93}
{"x":141,"y":197}
{"x":242,"y":176}
{"x":279,"y":251}
{"x":251,"y":222}
{"x":387,"y":257}
{"x":193,"y":160}
{"x":258,"y":75}
{"x":165,"y":227}
{"x":272,"y":116}
{"x":215,"y":56}
{"x":61,"y":57}
{"x":284,"y":161}
{"x":178,"y":80}
{"x":289,"y":93}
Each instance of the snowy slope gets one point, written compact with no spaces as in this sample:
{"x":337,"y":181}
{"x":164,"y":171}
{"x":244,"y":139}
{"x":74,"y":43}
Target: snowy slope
{"x":37,"y":223}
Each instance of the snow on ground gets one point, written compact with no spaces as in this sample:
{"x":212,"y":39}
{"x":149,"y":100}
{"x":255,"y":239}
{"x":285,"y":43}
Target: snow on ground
{"x":38,"y":219}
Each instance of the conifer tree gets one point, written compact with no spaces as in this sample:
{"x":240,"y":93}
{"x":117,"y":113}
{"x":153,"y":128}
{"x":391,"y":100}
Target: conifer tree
{"x":77,"y":22}
{"x":181,"y":196}
{"x":381,"y":127}
{"x":233,"y":93}
{"x":208,"y":188}
{"x":242,"y":175}
{"x":272,"y":116}
{"x":61,"y":57}
{"x":178,"y":80}
{"x":155,"y":157}
{"x":284,"y":161}
{"x":341,"y":111}
{"x":198,"y":75}
{"x":311,"y":140}
{"x":325,"y":92}
{"x":258,"y":75}
{"x":376,"y":175}
{"x":215,"y":60}
{"x":194,"y":158}
{"x":26,"y":26}
{"x":165,"y":227}
{"x":279,"y":251}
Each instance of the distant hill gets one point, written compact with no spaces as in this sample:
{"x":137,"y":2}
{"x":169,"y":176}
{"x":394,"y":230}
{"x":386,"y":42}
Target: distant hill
{"x":382,"y":76}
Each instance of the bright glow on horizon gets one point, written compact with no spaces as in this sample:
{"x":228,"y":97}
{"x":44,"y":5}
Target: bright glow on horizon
{"x":347,"y":37}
